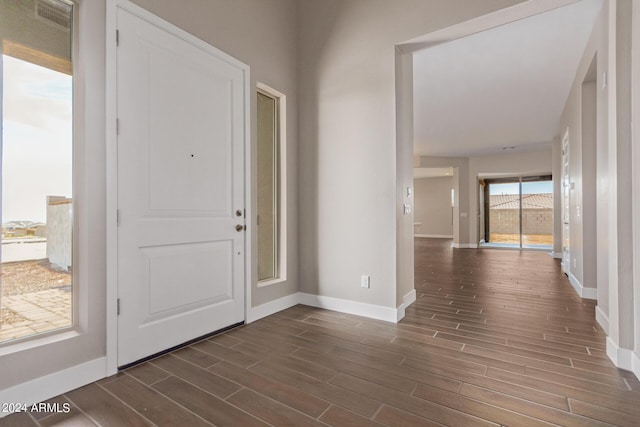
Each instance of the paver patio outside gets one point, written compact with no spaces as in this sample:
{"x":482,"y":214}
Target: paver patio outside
{"x":41,"y":312}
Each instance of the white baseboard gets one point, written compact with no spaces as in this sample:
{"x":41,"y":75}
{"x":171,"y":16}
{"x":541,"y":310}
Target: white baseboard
{"x":43,"y":388}
{"x":464,"y":245}
{"x":407,"y":300}
{"x":556,"y":255}
{"x":435,"y":236}
{"x":635,"y":362}
{"x":330,"y":303}
{"x":602,"y":319}
{"x":371,"y":311}
{"x":623,"y":358}
{"x":575,"y":283}
{"x":271,"y":307}
{"x":586,"y":293}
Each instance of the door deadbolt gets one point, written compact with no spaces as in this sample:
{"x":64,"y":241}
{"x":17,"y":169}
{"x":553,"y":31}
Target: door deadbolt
{"x":238,"y":212}
{"x":239,"y":227}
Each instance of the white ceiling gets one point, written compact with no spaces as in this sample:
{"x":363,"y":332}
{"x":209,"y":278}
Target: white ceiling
{"x":499,"y":88}
{"x":431,"y":172}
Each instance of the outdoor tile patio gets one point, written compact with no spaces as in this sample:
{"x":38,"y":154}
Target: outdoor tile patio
{"x":37,"y":312}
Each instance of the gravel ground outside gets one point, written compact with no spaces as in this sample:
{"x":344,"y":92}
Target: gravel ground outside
{"x":24,"y":277}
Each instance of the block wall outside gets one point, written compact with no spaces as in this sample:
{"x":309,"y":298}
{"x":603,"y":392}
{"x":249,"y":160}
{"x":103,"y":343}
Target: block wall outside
{"x":59,"y":231}
{"x":534,"y":221}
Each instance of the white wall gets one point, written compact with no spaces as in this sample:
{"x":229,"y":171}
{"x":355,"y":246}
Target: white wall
{"x":537,"y":162}
{"x":348,"y":208}
{"x":263,"y":34}
{"x":432,"y":206}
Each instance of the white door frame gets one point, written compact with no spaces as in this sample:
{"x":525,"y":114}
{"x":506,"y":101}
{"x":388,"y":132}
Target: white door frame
{"x":565,"y":211}
{"x":635,"y":109}
{"x":112,"y":163}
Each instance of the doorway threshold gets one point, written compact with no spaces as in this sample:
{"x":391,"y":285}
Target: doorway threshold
{"x":515,"y":246}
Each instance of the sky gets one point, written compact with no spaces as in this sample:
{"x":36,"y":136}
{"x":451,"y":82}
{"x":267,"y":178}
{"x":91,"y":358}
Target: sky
{"x":527,"y":188}
{"x":36,"y":139}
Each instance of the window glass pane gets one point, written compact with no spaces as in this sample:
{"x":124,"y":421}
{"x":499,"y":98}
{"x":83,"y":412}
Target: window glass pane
{"x":504,"y":213}
{"x":267,"y":187}
{"x":537,"y":214}
{"x":36,"y":170}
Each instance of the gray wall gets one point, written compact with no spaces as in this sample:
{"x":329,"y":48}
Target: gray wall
{"x":460,"y":167}
{"x":621,"y":297}
{"x":263,"y":34}
{"x":347,"y":166}
{"x":636,"y":180}
{"x":585,"y":118}
{"x":613,"y":169}
{"x":432,"y":206}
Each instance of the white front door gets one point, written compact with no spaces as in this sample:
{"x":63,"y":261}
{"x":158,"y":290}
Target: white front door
{"x":181,"y":138}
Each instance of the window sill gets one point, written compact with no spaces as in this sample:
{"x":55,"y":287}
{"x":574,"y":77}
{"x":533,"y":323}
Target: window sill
{"x":270,"y":282}
{"x":34,"y":341}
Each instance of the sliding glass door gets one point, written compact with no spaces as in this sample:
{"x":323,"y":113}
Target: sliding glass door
{"x":519,"y":212}
{"x":504,"y":213}
{"x":537,"y":213}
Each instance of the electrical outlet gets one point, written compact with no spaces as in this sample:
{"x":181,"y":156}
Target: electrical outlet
{"x":365,"y":281}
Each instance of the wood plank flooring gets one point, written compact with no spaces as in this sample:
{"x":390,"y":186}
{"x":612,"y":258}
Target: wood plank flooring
{"x":495,"y":338}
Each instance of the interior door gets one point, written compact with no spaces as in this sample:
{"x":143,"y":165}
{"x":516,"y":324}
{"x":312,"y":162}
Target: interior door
{"x":181,"y":240}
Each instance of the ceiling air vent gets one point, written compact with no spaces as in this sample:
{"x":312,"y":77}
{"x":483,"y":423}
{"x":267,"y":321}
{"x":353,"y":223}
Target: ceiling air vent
{"x":54,"y":12}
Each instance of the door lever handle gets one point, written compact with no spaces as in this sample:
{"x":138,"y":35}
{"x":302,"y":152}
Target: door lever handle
{"x":240,"y":227}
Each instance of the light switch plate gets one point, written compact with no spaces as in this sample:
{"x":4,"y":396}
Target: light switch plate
{"x":365,"y":281}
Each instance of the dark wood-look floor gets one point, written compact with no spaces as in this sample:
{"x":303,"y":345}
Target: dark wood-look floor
{"x":495,"y":338}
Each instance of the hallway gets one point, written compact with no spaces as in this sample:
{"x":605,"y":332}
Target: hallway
{"x":495,"y":338}
{"x":517,"y":314}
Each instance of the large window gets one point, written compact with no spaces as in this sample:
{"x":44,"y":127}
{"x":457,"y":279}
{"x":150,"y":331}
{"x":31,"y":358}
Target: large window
{"x":270,"y":110}
{"x":37,"y":168}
